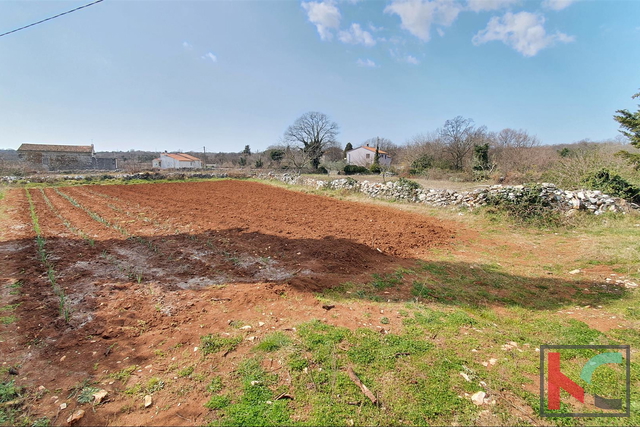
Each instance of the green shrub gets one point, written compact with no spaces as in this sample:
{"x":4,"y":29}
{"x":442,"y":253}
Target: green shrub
{"x":375,"y":168}
{"x":354,"y":169}
{"x":526,"y":206}
{"x":421,"y":164}
{"x":613,"y":185}
{"x":411,"y":185}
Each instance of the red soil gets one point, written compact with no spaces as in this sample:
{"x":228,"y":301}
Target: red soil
{"x":140,"y":272}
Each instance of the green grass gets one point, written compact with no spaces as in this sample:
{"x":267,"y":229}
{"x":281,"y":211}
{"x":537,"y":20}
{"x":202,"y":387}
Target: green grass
{"x":214,"y":343}
{"x":273,"y":342}
{"x":7,"y":320}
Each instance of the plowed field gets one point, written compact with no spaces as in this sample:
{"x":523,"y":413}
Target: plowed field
{"x":149,"y":269}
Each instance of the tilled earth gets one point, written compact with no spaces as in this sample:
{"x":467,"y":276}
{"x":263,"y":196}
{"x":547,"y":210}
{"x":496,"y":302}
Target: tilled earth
{"x":149,"y":269}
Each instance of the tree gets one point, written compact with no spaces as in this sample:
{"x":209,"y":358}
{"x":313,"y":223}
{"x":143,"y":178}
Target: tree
{"x":481,"y":157}
{"x":383,"y":144}
{"x":276,"y":154}
{"x":459,"y":136}
{"x":630,"y":124}
{"x":512,"y":150}
{"x":247,"y":150}
{"x":312,"y":133}
{"x":347,"y":147}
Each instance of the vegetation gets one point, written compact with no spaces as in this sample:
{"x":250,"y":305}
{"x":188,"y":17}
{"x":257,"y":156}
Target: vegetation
{"x":308,"y":138}
{"x":355,"y":169}
{"x":612,"y":184}
{"x":630,"y":124}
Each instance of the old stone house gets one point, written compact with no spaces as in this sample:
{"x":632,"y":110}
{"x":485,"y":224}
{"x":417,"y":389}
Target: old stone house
{"x":364,"y":156}
{"x":58,"y":157}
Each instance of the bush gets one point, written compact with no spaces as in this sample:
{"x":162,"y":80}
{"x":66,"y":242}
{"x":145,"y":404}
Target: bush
{"x":375,"y":168}
{"x":354,"y":169}
{"x":411,"y":185}
{"x":526,"y":206}
{"x":421,"y":164}
{"x":613,"y":185}
{"x":322,"y":170}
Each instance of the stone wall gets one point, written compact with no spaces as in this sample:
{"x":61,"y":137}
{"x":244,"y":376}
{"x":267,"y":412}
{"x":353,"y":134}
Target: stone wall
{"x":589,"y":200}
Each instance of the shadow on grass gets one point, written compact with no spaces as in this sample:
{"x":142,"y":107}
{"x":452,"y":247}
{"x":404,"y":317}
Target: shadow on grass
{"x":463,"y":284}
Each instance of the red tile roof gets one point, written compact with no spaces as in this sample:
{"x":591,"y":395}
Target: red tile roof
{"x":374,"y":150}
{"x":58,"y":148}
{"x":182,"y":157}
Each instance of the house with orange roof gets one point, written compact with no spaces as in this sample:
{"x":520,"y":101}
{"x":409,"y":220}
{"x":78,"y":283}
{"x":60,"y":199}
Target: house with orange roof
{"x":364,"y":156}
{"x":177,"y":161}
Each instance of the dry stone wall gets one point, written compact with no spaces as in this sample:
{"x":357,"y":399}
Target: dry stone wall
{"x":593,"y":201}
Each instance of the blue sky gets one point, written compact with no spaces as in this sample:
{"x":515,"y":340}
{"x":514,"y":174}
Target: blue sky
{"x":183,"y":75}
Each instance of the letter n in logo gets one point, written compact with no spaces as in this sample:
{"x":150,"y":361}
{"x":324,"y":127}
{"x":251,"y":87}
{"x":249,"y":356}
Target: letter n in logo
{"x":558,"y":380}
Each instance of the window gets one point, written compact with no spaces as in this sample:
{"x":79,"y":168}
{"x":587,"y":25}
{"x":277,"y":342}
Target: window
{"x":368,"y":155}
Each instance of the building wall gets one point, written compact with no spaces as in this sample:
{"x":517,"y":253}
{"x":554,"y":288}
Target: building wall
{"x":167,"y":162}
{"x":363,"y":157}
{"x":108,"y":164}
{"x":55,"y":160}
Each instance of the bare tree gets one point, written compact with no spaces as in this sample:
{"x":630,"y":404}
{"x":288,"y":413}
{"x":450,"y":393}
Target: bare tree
{"x":458,"y":136}
{"x":512,"y":149}
{"x":383,"y":144}
{"x":311,"y":134}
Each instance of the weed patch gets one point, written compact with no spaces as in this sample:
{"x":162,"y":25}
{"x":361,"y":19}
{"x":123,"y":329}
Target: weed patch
{"x":214,"y":343}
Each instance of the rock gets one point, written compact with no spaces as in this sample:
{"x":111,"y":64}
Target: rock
{"x":245,"y":327}
{"x":465,"y":376}
{"x":147,"y":401}
{"x":576,"y":271}
{"x":99,"y":396}
{"x":76,"y":416}
{"x":478,"y":398}
{"x":63,"y":406}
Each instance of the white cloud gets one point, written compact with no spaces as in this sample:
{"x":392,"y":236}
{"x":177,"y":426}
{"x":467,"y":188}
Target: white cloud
{"x":374,"y":28}
{"x":557,"y":4}
{"x":412,"y":60}
{"x":522,"y":31}
{"x":187,"y":45}
{"x":324,"y":15}
{"x":210,"y":56}
{"x":356,"y":35}
{"x":417,"y":16}
{"x":481,"y":5}
{"x":366,"y":63}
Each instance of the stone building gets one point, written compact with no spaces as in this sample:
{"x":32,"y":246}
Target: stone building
{"x":58,"y":157}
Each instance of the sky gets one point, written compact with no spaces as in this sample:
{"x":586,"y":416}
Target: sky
{"x":217,"y":75}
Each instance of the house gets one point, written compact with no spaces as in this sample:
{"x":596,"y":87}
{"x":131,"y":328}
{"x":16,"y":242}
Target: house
{"x":58,"y":157}
{"x":177,"y":161}
{"x":364,"y":156}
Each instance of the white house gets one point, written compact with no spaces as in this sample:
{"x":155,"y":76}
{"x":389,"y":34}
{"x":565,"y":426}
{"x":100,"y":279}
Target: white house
{"x":363,"y":156}
{"x":177,"y":161}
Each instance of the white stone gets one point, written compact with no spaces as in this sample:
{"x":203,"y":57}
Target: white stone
{"x":478,"y":398}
